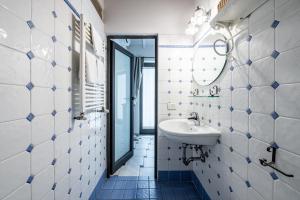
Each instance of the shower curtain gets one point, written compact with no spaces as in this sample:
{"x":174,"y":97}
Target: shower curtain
{"x":137,"y":76}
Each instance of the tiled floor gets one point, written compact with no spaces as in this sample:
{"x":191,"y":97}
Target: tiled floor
{"x":142,"y":162}
{"x":144,"y":187}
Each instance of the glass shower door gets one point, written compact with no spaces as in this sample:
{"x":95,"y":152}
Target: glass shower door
{"x":122,"y":133}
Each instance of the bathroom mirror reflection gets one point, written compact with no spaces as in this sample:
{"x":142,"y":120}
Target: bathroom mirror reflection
{"x":208,"y":63}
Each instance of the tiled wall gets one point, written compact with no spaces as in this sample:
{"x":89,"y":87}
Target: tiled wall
{"x":43,"y":153}
{"x":259,"y":105}
{"x":174,"y":86}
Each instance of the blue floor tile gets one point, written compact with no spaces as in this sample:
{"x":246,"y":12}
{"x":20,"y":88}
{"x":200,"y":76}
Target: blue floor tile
{"x":145,"y":188}
{"x":143,"y":184}
{"x":129,"y":194}
{"x":142,"y":194}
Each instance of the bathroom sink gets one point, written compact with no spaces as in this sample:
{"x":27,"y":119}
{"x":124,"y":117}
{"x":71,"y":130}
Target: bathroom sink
{"x":185,"y":131}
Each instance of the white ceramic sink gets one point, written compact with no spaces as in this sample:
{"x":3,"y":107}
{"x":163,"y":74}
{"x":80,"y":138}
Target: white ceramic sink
{"x":184,"y":131}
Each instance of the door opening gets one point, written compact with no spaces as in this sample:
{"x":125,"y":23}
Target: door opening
{"x":132,"y":93}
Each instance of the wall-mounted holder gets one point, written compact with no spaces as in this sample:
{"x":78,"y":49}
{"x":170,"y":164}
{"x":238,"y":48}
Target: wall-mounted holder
{"x":271,"y":164}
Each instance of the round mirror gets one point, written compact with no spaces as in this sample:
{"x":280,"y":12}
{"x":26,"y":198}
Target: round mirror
{"x":208,"y":63}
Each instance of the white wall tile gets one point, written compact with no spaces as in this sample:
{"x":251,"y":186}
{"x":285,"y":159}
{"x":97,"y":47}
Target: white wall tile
{"x":261,"y":99}
{"x":289,"y":163}
{"x":287,"y":66}
{"x":282,"y":191}
{"x":42,"y":128}
{"x":261,"y":181}
{"x":287,"y":31}
{"x":287,"y":100}
{"x":42,"y":155}
{"x":11,"y":168}
{"x":42,"y":73}
{"x":21,"y":9}
{"x":42,"y":45}
{"x":240,"y":121}
{"x":62,"y":77}
{"x":22,"y":193}
{"x":42,"y":16}
{"x":240,"y":99}
{"x":261,"y":126}
{"x":11,"y":104}
{"x":261,"y":72}
{"x":61,"y":166}
{"x":15,"y":138}
{"x":62,"y":99}
{"x":262,"y":18}
{"x":63,"y":56}
{"x":61,"y":145}
{"x":240,"y":142}
{"x":15,"y":67}
{"x":262,"y":44}
{"x":240,"y":76}
{"x":62,"y":121}
{"x":16,"y":33}
{"x":42,"y":101}
{"x":287,"y":134}
{"x":42,"y":183}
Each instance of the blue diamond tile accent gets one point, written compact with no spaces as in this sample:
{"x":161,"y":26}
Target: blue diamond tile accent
{"x":29,"y":148}
{"x":249,"y":62}
{"x":249,"y":38}
{"x":249,"y":135}
{"x":230,"y":189}
{"x":248,"y":184}
{"x":54,"y":161}
{"x":231,"y":108}
{"x":30,"y":179}
{"x":219,"y":107}
{"x":249,"y":87}
{"x":70,"y":170}
{"x":275,"y":54}
{"x":231,"y":88}
{"x":69,"y":89}
{"x":53,"y":88}
{"x":80,"y":160}
{"x":69,"y":130}
{"x":80,"y":194}
{"x":70,"y":28}
{"x":274,"y":176}
{"x":54,"y":14}
{"x":53,"y":113}
{"x":231,"y":129}
{"x":275,"y":23}
{"x":53,"y":63}
{"x":231,"y":149}
{"x":54,"y":186}
{"x":275,"y":85}
{"x":70,"y":190}
{"x":53,"y":38}
{"x":230,"y":168}
{"x":29,"y":86}
{"x":80,"y":143}
{"x":30,"y":117}
{"x":69,"y":109}
{"x":248,"y":160}
{"x":30,"y":55}
{"x":274,"y":115}
{"x":53,"y":137}
{"x":69,"y":48}
{"x":80,"y":178}
{"x":218,"y":141}
{"x":274,"y":145}
{"x":231,"y":68}
{"x":30,"y":24}
{"x":69,"y":151}
{"x":249,"y":111}
{"x":69,"y":69}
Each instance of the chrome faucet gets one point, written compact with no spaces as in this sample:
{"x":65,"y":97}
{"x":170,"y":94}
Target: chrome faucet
{"x":195,"y":118}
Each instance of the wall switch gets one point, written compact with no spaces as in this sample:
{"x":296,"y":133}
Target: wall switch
{"x":171,"y":106}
